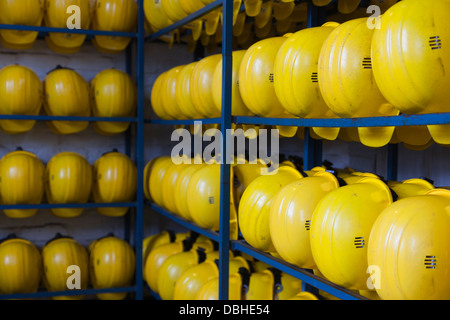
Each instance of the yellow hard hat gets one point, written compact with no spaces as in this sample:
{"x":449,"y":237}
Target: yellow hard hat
{"x":254,"y":207}
{"x":261,"y":286}
{"x":244,"y":174}
{"x":113,"y":94}
{"x":341,"y":80}
{"x":58,"y":255}
{"x":112,"y":264}
{"x":304,"y":296}
{"x":21,"y":182}
{"x":413,"y":135}
{"x":157,"y":97}
{"x":68,"y":179}
{"x":161,"y":253}
{"x":321,"y":3}
{"x":256,"y":78}
{"x":147,"y":171}
{"x":157,"y":173}
{"x":290,"y":217}
{"x":155,"y":15}
{"x":193,"y":279}
{"x":66,"y":93}
{"x":168,"y":186}
{"x":340,"y":229}
{"x":20,"y":94}
{"x":289,"y":287}
{"x":114,"y":15}
{"x":411,"y":187}
{"x":265,"y":15}
{"x":183,"y":93}
{"x":253,"y":7}
{"x":191,"y":6}
{"x":283,"y":10}
{"x":238,"y":105}
{"x":296,"y":76}
{"x":174,"y":9}
{"x":357,"y":176}
{"x":169,"y":93}
{"x":181,"y":187}
{"x":210,"y":290}
{"x":409,"y":247}
{"x":201,"y":86}
{"x":203,"y":194}
{"x":174,"y":266}
{"x":25,"y":12}
{"x":413,"y":80}
{"x":56,"y":16}
{"x":115,"y":177}
{"x":20,"y":266}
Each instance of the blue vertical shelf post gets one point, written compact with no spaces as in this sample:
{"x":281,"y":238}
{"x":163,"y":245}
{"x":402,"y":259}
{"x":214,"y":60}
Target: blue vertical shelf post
{"x":227,"y":65}
{"x":392,"y":162}
{"x":139,"y":229}
{"x":312,"y":153}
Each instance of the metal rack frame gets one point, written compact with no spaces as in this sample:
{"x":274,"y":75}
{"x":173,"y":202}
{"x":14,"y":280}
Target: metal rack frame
{"x":138,"y":206}
{"x":312,"y":155}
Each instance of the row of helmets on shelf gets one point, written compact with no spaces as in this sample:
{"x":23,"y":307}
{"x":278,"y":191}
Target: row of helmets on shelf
{"x":338,"y":223}
{"x":67,"y":178}
{"x":345,"y":70}
{"x":184,"y":266}
{"x":108,"y":262}
{"x":259,"y":20}
{"x":64,"y":92}
{"x":104,"y":15}
{"x":354,"y":229}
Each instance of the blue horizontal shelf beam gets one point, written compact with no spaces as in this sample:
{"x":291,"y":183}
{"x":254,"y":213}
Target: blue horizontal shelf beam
{"x":66,"y":118}
{"x":155,"y":295}
{"x":186,"y":223}
{"x":299,"y":273}
{"x":184,"y":122}
{"x":397,"y":121}
{"x":45,"y":30}
{"x":50,"y":294}
{"x":44,"y":206}
{"x":205,"y":10}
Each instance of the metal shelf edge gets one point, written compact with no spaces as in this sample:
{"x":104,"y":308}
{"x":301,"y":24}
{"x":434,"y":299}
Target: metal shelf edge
{"x":397,"y":121}
{"x":183,"y":122}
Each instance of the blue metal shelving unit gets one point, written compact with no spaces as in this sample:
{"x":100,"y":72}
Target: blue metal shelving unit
{"x":138,"y":121}
{"x":312,"y":155}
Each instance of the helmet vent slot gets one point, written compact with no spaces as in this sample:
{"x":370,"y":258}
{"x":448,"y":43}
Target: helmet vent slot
{"x":367,"y":63}
{"x":308,"y":225}
{"x":359,"y":242}
{"x":430,"y":262}
{"x":315,"y":77}
{"x":435,"y":43}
